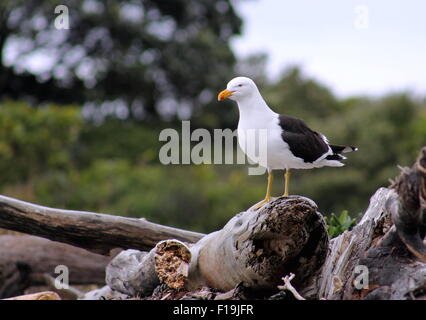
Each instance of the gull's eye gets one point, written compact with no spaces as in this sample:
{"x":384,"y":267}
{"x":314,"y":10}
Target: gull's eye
{"x":240,"y":85}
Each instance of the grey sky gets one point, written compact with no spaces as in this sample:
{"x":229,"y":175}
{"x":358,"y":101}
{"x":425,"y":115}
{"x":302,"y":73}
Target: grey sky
{"x":388,"y":55}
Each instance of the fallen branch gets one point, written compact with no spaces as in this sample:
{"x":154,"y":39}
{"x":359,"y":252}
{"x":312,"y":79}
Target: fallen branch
{"x":92,"y":231}
{"x":386,"y":247}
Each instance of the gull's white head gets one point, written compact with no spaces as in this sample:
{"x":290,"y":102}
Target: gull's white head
{"x":238,"y":89}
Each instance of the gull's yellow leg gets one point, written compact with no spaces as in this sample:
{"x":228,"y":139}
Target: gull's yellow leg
{"x":286,"y":182}
{"x":268,"y":191}
{"x":269,"y":186}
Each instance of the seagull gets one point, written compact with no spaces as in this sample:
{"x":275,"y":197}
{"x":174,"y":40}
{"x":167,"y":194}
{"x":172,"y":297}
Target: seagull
{"x":290,"y":143}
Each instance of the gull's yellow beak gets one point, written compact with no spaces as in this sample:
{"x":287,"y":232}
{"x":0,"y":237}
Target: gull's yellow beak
{"x":224,"y":94}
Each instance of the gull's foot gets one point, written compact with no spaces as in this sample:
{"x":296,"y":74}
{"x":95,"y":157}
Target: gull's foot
{"x":260,"y":204}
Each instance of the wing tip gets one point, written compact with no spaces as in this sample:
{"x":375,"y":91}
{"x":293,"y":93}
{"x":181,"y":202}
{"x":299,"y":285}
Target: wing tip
{"x":350,"y":149}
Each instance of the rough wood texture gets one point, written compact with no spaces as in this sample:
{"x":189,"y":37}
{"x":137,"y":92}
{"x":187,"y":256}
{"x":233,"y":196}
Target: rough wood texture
{"x":25,"y":259}
{"x":256,"y":248}
{"x":137,"y":273}
{"x":132,"y":272}
{"x":172,"y":260}
{"x":394,"y":272}
{"x":346,"y":249}
{"x":397,"y":264}
{"x":92,"y":231}
{"x":388,"y":242}
{"x":408,"y":206}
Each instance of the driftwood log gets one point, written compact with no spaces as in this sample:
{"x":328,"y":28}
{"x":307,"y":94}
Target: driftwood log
{"x":256,"y":248}
{"x":387,"y":245}
{"x":92,"y":231}
{"x":347,"y":249}
{"x":26,"y":261}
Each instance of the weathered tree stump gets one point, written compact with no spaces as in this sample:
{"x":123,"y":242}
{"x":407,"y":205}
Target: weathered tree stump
{"x":256,"y":248}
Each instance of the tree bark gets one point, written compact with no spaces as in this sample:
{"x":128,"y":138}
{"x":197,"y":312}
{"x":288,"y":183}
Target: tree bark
{"x":92,"y":231}
{"x":387,"y":246}
{"x":346,"y":250}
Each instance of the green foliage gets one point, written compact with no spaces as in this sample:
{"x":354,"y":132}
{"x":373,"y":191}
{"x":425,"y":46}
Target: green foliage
{"x":34,"y":141}
{"x":115,"y":139}
{"x":339,"y":224}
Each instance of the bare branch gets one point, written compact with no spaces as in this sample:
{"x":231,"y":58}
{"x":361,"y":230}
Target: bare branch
{"x":92,"y":231}
{"x":287,"y":286}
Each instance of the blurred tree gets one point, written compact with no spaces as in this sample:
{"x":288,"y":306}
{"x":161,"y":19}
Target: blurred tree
{"x":35,"y":141}
{"x":300,"y":96}
{"x":254,"y":67}
{"x":156,"y":57}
